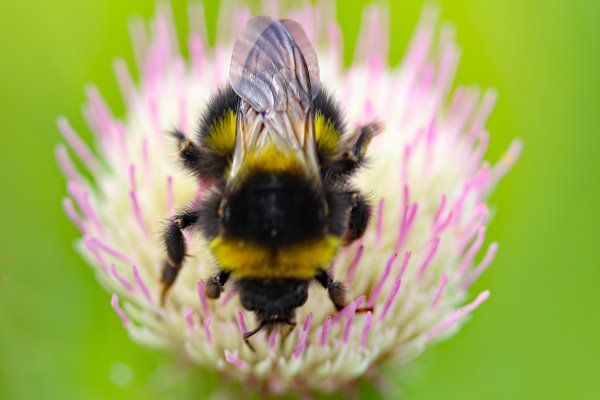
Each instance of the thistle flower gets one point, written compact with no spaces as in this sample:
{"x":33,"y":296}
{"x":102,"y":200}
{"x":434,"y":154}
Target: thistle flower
{"x":414,"y":265}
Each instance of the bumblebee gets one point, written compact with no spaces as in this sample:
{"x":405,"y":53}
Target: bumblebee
{"x":273,"y":147}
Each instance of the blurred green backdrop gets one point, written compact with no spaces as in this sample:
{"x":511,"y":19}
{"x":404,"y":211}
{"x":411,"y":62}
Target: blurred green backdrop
{"x":538,"y":336}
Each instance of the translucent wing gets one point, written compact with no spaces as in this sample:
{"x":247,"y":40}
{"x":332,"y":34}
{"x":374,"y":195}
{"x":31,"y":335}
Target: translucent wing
{"x":272,"y":59}
{"x":274,"y":70}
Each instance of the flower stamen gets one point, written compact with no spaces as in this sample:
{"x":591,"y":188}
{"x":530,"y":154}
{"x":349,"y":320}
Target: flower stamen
{"x":114,"y":302}
{"x":142,"y":285}
{"x":124,"y":282}
{"x":203,"y":300}
{"x":440,"y":291}
{"x":457,"y":315}
{"x":303,"y":336}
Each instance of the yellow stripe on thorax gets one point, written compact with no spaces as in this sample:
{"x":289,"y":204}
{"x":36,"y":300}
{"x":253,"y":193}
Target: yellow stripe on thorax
{"x":221,"y":134}
{"x":271,"y":159}
{"x":221,"y":137}
{"x":247,"y":260}
{"x":326,"y":136}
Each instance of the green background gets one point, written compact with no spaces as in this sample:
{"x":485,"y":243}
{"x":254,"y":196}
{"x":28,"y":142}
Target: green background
{"x":537,"y":337}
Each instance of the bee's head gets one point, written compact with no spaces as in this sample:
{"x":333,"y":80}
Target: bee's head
{"x":274,"y":210}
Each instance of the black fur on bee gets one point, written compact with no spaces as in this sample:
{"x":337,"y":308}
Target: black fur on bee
{"x":198,"y":157}
{"x":281,"y":203}
{"x":274,"y":231}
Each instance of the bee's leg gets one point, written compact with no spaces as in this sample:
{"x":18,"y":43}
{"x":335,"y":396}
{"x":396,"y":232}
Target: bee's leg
{"x":354,"y":157}
{"x":176,"y":249}
{"x":214,"y":285}
{"x":363,"y":136}
{"x":205,"y":163}
{"x":291,"y":325}
{"x":249,"y":334}
{"x":336,"y":291}
{"x":189,"y":153}
{"x":360,"y":213}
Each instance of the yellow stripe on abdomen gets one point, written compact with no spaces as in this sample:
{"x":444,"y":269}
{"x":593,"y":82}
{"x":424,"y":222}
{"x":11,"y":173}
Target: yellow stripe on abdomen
{"x":248,"y":260}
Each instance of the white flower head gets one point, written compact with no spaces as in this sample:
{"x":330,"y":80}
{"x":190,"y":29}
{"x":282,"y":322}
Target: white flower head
{"x":414,"y":265}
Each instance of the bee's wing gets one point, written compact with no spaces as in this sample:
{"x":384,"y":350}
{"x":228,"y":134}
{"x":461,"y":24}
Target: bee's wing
{"x":271,"y":60}
{"x":274,"y":70}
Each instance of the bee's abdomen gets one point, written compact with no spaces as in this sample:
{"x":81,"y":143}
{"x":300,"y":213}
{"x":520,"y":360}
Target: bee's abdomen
{"x":272,"y":299}
{"x":274,"y":227}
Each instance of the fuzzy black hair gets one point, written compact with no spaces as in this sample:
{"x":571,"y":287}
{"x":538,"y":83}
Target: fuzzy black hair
{"x":220,"y":103}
